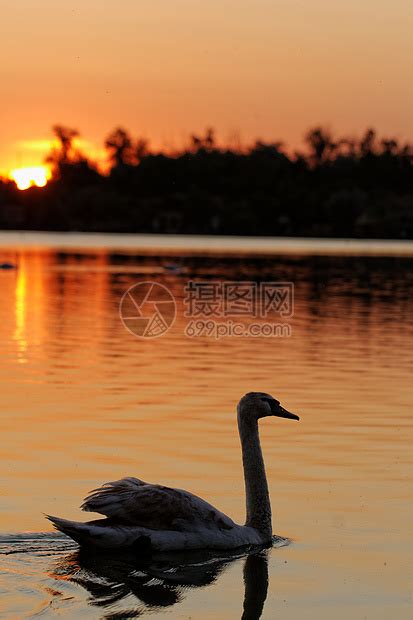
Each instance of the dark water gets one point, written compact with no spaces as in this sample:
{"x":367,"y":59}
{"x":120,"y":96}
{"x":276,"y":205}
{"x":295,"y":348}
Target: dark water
{"x":77,"y":583}
{"x":84,"y":401}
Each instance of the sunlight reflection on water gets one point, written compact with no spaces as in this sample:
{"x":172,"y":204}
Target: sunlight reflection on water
{"x":83,"y":402}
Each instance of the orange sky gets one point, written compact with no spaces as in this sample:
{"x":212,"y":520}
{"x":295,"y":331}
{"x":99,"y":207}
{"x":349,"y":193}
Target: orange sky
{"x":164,"y":68}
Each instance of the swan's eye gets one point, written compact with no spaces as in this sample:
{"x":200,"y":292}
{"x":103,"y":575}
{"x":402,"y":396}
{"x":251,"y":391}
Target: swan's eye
{"x":268,"y":402}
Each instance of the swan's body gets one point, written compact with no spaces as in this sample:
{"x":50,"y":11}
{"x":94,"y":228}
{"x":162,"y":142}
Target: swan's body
{"x":157,"y":518}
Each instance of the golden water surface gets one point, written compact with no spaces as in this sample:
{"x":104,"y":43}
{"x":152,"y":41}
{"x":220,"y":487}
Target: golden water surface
{"x":83,"y":401}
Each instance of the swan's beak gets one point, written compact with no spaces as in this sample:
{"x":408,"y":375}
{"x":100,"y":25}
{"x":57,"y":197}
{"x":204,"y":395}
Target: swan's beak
{"x":283,"y":413}
{"x":280,"y":412}
{"x":277,"y":410}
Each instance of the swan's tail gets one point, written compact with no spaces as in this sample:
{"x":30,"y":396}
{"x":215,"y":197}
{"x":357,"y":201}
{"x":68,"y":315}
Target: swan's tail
{"x":104,"y":534}
{"x":80,"y":532}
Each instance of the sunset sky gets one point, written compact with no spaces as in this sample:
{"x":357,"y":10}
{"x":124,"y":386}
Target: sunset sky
{"x":165,"y":68}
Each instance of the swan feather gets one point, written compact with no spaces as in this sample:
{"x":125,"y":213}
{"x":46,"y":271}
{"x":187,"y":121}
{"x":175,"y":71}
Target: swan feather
{"x":134,"y":502}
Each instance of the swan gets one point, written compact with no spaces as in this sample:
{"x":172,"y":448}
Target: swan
{"x":152,"y":518}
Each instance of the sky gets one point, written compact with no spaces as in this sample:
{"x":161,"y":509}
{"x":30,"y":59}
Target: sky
{"x":164,"y":69}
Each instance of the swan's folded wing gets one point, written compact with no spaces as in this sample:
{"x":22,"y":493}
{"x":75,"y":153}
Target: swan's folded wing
{"x":134,"y":502}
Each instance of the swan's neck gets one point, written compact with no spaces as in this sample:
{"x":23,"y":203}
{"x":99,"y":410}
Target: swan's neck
{"x":256,"y":487}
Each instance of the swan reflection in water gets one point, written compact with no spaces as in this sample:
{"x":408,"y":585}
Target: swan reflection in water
{"x":125,"y":587}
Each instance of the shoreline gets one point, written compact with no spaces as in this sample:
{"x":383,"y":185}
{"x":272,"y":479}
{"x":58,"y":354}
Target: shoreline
{"x":201,"y":244}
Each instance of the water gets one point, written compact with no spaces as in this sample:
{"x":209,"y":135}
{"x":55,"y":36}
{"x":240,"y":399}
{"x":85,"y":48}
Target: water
{"x":84,"y":402}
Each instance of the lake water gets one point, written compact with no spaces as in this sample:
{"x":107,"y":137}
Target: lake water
{"x":84,"y":401}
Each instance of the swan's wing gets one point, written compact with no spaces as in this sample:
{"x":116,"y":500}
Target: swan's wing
{"x":134,"y":502}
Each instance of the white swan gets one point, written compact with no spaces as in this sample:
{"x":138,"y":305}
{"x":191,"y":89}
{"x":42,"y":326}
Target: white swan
{"x":151,"y":517}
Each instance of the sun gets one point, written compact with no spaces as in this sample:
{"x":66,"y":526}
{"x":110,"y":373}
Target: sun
{"x":28,"y":177}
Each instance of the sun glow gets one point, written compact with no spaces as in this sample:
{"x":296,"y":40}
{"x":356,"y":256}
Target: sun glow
{"x":28,"y":177}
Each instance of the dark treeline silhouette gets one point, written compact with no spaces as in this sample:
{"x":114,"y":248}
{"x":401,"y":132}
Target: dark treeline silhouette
{"x":337,"y":187}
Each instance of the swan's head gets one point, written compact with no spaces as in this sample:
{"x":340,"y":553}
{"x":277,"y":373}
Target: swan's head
{"x":256,"y":405}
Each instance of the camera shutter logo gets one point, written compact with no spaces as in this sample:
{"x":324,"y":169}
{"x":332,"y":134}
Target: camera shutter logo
{"x":147,"y":309}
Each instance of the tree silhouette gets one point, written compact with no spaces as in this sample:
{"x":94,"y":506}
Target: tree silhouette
{"x":205,"y":143}
{"x":141,"y":150}
{"x":119,"y":145}
{"x":367,"y":143}
{"x":321,"y":144}
{"x":65,"y":153}
{"x":389,"y":146}
{"x":347,"y":186}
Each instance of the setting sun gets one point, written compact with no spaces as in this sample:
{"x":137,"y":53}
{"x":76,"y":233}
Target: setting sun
{"x":28,"y":177}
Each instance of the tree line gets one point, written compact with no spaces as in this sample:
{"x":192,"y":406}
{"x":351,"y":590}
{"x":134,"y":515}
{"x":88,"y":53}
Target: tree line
{"x":340,"y":187}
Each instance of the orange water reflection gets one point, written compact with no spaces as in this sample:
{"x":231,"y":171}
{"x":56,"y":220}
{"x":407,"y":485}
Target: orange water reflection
{"x":85,"y":402}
